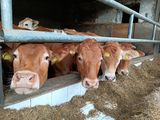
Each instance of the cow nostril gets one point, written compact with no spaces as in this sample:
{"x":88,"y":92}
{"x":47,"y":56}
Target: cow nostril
{"x":31,"y":77}
{"x":110,"y":78}
{"x":114,"y":78}
{"x":123,"y":73}
{"x":87,"y":84}
{"x":106,"y":78}
{"x":17,"y":77}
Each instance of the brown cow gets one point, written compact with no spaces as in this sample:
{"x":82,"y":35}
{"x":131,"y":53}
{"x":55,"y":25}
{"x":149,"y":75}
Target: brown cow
{"x":88,"y":61}
{"x":123,"y":67}
{"x":113,"y":53}
{"x":63,"y":57}
{"x":30,"y":68}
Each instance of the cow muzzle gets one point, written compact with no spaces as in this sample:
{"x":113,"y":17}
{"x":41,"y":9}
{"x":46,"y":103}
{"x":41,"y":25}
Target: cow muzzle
{"x":123,"y":72}
{"x":88,"y":83}
{"x":110,"y":78}
{"x":25,"y":82}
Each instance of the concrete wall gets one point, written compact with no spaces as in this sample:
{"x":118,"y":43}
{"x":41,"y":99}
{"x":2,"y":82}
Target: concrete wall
{"x":110,"y":15}
{"x":148,"y":8}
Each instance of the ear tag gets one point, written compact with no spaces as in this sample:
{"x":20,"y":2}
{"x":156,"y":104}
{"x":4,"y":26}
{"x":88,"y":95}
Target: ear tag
{"x":72,"y":52}
{"x":106,"y":54}
{"x":54,"y":60}
{"x":126,"y":57}
{"x":7,"y":56}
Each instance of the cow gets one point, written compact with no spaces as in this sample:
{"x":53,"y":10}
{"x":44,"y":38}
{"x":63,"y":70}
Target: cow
{"x":123,"y":67}
{"x":63,"y":57}
{"x":86,"y":55}
{"x":113,"y":53}
{"x":30,"y":66}
{"x":88,"y":60}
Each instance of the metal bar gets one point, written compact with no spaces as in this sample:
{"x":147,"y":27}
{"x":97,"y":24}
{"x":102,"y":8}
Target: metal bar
{"x":156,"y":49}
{"x":6,"y":13}
{"x":1,"y":82}
{"x":130,"y":27}
{"x":117,"y":5}
{"x":37,"y":36}
{"x":154,"y":32}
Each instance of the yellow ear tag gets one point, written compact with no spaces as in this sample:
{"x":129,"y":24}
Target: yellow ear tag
{"x":93,"y":40}
{"x":126,"y":57}
{"x":7,"y":56}
{"x":72,"y":52}
{"x":106,"y":54}
{"x":54,"y":60}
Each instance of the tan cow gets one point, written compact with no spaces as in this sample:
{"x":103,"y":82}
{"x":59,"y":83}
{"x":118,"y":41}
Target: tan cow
{"x":113,"y":53}
{"x":88,"y":61}
{"x":30,"y":65}
{"x":123,"y":67}
{"x":63,"y":57}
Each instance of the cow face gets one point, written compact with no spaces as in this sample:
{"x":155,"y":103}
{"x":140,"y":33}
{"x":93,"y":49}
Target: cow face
{"x":123,"y":67}
{"x":30,"y":68}
{"x":113,"y":53}
{"x":88,"y":61}
{"x":63,"y":58}
{"x":111,"y":58}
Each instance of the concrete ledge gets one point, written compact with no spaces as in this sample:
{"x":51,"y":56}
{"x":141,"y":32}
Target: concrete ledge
{"x":56,"y":91}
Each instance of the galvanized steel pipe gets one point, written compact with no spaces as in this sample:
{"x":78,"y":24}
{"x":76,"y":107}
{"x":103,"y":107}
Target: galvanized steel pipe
{"x":37,"y":36}
{"x":130,"y":27}
{"x":1,"y":82}
{"x":119,"y":6}
{"x":6,"y":13}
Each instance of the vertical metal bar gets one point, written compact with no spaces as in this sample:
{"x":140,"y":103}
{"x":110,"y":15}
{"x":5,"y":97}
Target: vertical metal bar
{"x":1,"y":82}
{"x":154,"y":32}
{"x":6,"y":14}
{"x":156,"y":48}
{"x":130,"y":27}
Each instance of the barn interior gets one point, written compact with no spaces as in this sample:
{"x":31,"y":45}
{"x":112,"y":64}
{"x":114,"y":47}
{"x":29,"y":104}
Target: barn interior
{"x":90,"y":15}
{"x":87,"y":15}
{"x":58,"y":14}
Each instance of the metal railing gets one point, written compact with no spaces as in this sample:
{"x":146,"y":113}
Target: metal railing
{"x":12,"y":35}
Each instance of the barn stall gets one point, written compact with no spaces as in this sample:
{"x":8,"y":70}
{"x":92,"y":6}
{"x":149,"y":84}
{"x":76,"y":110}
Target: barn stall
{"x":88,"y":16}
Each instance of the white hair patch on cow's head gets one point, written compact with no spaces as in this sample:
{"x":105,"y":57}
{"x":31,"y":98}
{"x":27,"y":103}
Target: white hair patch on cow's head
{"x":45,"y":58}
{"x":16,"y":55}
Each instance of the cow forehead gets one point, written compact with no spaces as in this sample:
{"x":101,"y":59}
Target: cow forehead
{"x":32,"y":49}
{"x":90,"y":50}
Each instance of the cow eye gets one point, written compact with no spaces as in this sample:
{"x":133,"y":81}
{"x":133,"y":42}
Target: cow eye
{"x":79,"y":58}
{"x":47,"y":57}
{"x":14,"y":56}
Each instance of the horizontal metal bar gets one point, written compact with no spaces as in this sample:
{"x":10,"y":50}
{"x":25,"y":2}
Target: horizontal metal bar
{"x":6,"y":13}
{"x":37,"y":36}
{"x":119,"y":6}
{"x":130,"y":27}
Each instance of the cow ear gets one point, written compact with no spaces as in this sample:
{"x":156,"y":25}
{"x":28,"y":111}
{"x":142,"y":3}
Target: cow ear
{"x":54,"y":59}
{"x":101,"y":46}
{"x":73,"y":50}
{"x":130,"y":54}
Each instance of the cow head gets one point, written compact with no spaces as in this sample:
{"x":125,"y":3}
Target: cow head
{"x":113,"y":53}
{"x":123,"y":67}
{"x":63,"y":58}
{"x":88,"y":61}
{"x":30,"y":65}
